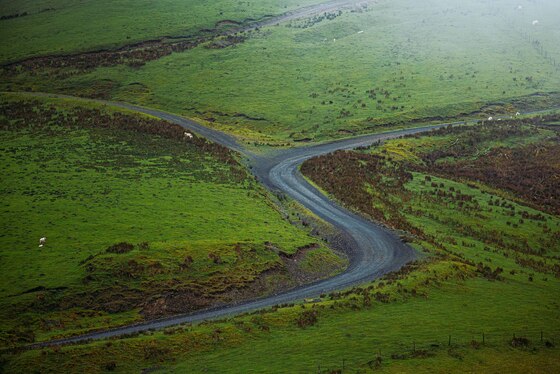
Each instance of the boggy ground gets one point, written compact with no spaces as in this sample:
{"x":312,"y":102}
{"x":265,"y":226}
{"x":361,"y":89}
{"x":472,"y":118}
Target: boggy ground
{"x":141,"y":222}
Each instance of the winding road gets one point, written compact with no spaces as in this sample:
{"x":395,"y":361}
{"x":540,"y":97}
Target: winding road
{"x":372,"y":250}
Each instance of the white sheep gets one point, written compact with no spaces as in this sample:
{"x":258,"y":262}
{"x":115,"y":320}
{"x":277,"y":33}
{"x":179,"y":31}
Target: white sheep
{"x":535,"y":22}
{"x":490,"y":118}
{"x":517,"y":114}
{"x":42,"y":241}
{"x":361,"y":31}
{"x":188,"y":135}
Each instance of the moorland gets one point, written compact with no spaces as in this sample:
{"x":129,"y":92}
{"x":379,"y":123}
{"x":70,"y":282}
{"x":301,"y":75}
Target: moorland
{"x":144,"y":221}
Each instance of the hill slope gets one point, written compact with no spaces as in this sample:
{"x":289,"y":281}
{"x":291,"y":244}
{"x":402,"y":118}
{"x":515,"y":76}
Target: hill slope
{"x":351,"y":70}
{"x":141,"y":222}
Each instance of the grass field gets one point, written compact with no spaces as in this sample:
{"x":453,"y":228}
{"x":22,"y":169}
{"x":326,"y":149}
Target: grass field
{"x":489,"y":279}
{"x":200,"y":229}
{"x":359,"y":70}
{"x":70,"y":26}
{"x":142,"y":222}
{"x":351,"y":332}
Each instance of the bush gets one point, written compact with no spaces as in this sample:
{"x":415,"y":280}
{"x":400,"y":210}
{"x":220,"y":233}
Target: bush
{"x":119,"y":248}
{"x":519,"y":342}
{"x":110,"y":366}
{"x":153,"y":352}
{"x":307,"y":318}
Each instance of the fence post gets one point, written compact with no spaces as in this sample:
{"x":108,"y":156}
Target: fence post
{"x":449,"y":341}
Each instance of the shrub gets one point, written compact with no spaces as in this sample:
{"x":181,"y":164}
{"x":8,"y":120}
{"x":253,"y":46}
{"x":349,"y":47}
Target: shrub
{"x":153,"y":352}
{"x":119,"y":248}
{"x":110,"y":366}
{"x":307,"y":318}
{"x":215,"y":258}
{"x":519,"y":342}
{"x":186,"y":263}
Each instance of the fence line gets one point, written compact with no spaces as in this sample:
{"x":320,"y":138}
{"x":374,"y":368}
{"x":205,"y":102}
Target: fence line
{"x":425,"y":347}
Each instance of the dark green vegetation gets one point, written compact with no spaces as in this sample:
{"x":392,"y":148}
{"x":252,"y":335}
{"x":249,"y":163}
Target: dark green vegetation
{"x":520,"y":157}
{"x":491,"y":187}
{"x":373,"y":66}
{"x":407,"y":334}
{"x":47,"y":27}
{"x":485,"y":295}
{"x":141,"y":222}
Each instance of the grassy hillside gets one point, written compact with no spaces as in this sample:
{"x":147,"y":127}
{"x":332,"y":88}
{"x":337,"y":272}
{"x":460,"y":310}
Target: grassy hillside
{"x":140,"y":222}
{"x":31,"y":28}
{"x":375,"y":338}
{"x":386,"y":64}
{"x":143,"y":222}
{"x":490,"y":187}
{"x":483,"y":298}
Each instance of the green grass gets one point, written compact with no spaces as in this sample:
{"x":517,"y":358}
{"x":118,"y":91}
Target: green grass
{"x":489,"y":228}
{"x":411,"y":150}
{"x":462,"y":309}
{"x":429,"y":317}
{"x":69,"y":26}
{"x":86,"y":189}
{"x":445,"y":212}
{"x":490,"y":213}
{"x":424,"y":62}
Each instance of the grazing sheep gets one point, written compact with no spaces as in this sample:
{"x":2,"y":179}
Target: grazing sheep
{"x":42,"y":241}
{"x":490,"y":118}
{"x":517,"y":114}
{"x":361,"y":31}
{"x":188,"y":135}
{"x":535,"y":22}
